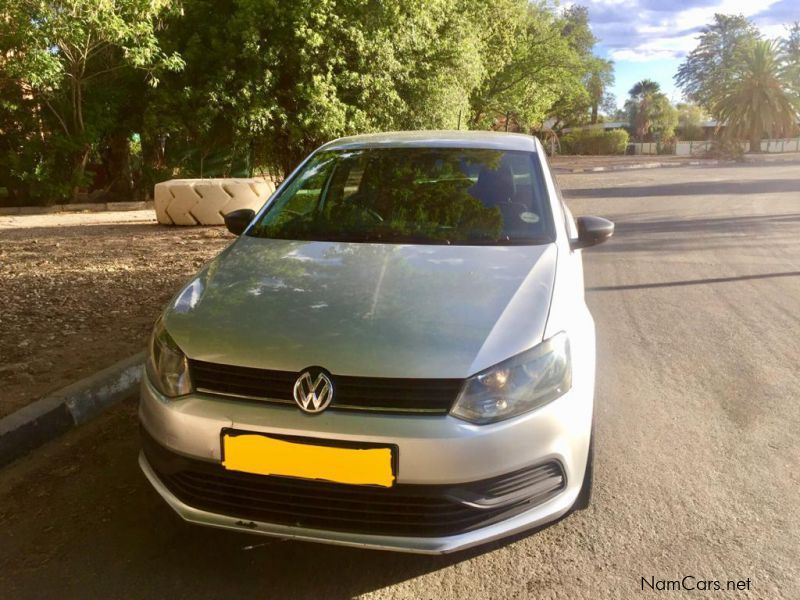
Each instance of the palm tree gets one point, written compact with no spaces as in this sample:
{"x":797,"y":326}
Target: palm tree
{"x":757,"y":100}
{"x":645,"y":87}
{"x":641,"y":99}
{"x":599,"y":78}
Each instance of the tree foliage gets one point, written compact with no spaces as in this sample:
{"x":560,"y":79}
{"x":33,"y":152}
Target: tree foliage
{"x":65,"y":56}
{"x":790,"y":58}
{"x":223,"y":87}
{"x":707,"y":69}
{"x":749,"y":85}
{"x":755,"y":99}
{"x":534,"y":61}
{"x":690,"y":121}
{"x":650,"y":114}
{"x":595,"y":140}
{"x":599,"y":79}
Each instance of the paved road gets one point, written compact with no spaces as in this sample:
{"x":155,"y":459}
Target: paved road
{"x":697,"y":302}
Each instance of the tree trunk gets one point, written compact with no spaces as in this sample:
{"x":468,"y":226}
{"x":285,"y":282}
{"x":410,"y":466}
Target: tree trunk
{"x":118,"y":163}
{"x":78,"y":172}
{"x":755,"y":141}
{"x":594,"y":113}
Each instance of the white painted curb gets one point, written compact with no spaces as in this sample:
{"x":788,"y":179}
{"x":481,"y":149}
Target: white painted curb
{"x":50,"y":417}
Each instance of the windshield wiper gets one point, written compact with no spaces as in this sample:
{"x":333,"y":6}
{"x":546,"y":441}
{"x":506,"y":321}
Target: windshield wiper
{"x":380,"y":238}
{"x":507,"y":242}
{"x":419,"y":239}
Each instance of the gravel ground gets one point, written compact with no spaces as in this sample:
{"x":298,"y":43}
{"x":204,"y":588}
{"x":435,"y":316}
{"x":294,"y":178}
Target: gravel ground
{"x":80,"y":291}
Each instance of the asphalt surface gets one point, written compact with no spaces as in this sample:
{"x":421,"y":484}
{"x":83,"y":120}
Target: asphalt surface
{"x":697,"y":303}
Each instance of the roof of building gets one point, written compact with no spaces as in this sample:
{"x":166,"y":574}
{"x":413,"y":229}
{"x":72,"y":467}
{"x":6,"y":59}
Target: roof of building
{"x":604,"y":125}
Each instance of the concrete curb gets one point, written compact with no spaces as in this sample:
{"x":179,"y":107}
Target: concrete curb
{"x":705,"y":162}
{"x":53,"y":415}
{"x":61,"y":208}
{"x":647,"y":165}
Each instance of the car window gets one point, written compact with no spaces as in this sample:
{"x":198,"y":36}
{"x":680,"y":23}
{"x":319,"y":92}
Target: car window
{"x":304,"y":194}
{"x":414,"y":195}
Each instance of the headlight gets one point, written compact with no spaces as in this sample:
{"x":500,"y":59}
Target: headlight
{"x":167,"y":366}
{"x":521,"y":383}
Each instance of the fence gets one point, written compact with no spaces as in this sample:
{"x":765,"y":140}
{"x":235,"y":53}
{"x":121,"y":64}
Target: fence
{"x":643,"y":148}
{"x":782,"y":145}
{"x":699,"y":148}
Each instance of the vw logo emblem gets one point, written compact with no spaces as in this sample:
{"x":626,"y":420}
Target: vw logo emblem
{"x":312,"y":393}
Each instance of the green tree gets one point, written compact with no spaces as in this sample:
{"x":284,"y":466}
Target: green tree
{"x":707,"y":69}
{"x":790,"y":57}
{"x":62,"y":49}
{"x":263,"y":82}
{"x":536,"y":70}
{"x":650,"y":113}
{"x":756,"y":99}
{"x":279,"y":78}
{"x":599,"y":78}
{"x":690,"y":121}
{"x":340,"y":67}
{"x":203,"y":120}
{"x":26,"y":160}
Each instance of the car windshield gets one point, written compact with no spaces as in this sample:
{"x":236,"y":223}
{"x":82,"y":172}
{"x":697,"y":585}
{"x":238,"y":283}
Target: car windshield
{"x":413,"y":196}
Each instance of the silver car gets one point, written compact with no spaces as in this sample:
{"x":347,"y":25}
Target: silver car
{"x":394,"y":354}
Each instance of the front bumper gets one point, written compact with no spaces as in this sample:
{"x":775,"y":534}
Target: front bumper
{"x":540,"y":515}
{"x":433,"y":451}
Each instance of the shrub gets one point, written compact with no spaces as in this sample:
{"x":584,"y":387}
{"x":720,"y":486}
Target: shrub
{"x":594,"y":141}
{"x":726,"y":149}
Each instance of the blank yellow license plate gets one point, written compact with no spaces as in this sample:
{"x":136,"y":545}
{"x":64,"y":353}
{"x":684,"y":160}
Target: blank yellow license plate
{"x":264,"y":455}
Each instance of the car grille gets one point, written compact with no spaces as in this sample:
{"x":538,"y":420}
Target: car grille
{"x":403,"y":510}
{"x":429,"y":396}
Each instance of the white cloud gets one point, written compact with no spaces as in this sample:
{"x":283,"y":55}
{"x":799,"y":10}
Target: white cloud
{"x":657,"y":48}
{"x":644,"y":30}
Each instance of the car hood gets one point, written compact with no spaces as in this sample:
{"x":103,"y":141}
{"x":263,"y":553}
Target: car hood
{"x":372,"y":310}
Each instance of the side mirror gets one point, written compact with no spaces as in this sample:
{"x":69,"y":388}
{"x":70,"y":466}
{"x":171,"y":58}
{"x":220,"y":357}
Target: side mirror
{"x":592,"y":231}
{"x":237,"y":220}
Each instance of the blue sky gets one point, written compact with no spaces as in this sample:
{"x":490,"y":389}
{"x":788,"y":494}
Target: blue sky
{"x":650,"y":38}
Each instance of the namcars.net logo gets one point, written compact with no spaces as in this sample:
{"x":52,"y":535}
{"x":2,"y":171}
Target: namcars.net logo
{"x":690,"y":583}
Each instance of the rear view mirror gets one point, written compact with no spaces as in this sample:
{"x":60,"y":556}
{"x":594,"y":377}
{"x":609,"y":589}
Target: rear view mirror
{"x":592,"y":231}
{"x":237,"y":220}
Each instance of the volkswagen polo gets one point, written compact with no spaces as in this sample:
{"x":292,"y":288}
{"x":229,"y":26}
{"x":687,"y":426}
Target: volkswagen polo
{"x":395,"y":353}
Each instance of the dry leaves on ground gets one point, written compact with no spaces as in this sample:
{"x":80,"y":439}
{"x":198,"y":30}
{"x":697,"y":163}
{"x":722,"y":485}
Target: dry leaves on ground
{"x":77,"y":298}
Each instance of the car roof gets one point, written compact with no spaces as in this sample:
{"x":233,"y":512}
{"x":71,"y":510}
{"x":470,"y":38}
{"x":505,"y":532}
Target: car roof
{"x":436,"y":139}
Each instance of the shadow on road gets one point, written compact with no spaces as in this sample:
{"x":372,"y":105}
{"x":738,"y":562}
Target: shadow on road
{"x":663,"y":284}
{"x":709,"y":233}
{"x":706,"y":225}
{"x":689,"y":188}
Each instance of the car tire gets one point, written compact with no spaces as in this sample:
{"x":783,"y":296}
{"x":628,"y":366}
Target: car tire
{"x":584,"y":499}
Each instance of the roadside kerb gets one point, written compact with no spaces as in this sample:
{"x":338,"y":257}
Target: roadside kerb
{"x":646,"y":165}
{"x":12,"y":211}
{"x":670,"y":164}
{"x":39,"y":422}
